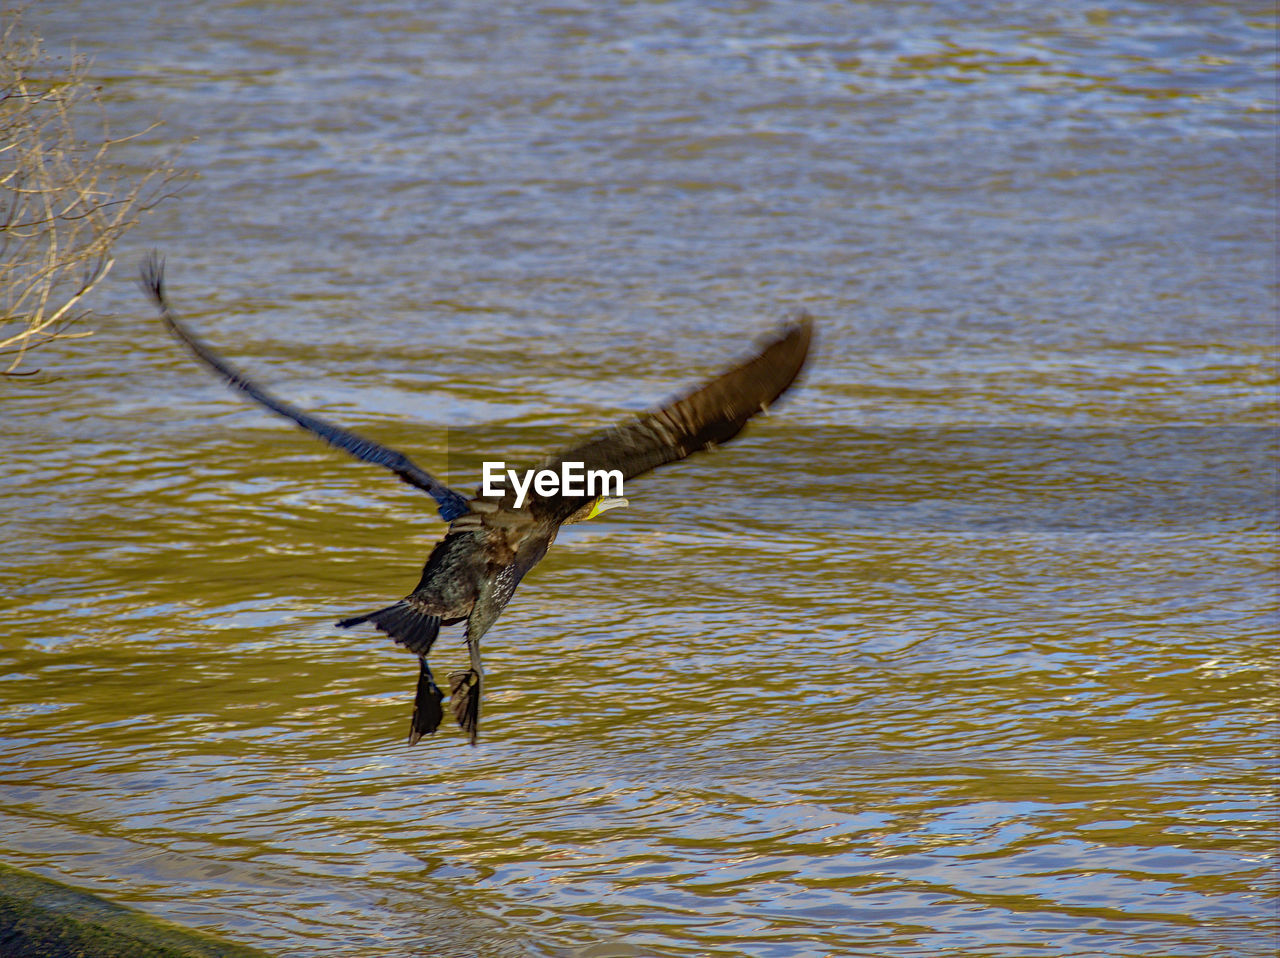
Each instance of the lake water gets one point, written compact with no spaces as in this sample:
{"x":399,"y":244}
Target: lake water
{"x":966,"y":649}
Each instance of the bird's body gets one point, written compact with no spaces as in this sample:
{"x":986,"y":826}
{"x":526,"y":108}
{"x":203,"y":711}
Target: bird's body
{"x":470,"y":575}
{"x":491,"y":543}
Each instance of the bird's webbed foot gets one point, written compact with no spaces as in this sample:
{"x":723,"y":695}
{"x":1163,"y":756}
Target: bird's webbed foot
{"x":427,"y":711}
{"x":464,"y":700}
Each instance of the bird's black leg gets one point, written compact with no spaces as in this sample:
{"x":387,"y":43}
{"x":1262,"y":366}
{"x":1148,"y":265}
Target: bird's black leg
{"x":427,"y":712}
{"x":464,"y":688}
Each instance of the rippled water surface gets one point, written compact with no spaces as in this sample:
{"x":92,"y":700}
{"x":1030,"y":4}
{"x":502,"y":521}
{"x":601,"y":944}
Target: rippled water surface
{"x":966,"y":649}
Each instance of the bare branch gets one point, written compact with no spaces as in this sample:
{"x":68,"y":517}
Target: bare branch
{"x":64,"y":201}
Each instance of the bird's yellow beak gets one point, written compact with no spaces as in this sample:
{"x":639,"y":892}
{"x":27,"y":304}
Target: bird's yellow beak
{"x":605,"y":503}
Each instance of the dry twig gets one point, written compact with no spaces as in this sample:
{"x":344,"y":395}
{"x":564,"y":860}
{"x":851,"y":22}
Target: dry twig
{"x":63,"y":200}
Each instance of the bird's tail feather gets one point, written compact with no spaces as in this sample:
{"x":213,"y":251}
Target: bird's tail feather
{"x":412,"y":627}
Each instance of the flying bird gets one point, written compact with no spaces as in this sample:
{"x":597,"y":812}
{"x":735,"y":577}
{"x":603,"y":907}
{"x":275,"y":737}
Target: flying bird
{"x":491,"y":543}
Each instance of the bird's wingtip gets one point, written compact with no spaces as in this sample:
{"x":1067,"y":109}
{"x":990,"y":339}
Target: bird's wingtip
{"x":797,"y":324}
{"x":797,"y":327}
{"x":151,"y":276}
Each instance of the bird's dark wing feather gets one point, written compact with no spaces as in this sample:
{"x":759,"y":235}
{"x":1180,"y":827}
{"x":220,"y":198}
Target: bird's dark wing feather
{"x":451,"y":504}
{"x":710,"y":415}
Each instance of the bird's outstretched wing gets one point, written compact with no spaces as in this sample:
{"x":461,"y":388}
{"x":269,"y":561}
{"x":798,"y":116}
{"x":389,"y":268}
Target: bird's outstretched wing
{"x":701,"y":419}
{"x":451,"y":504}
